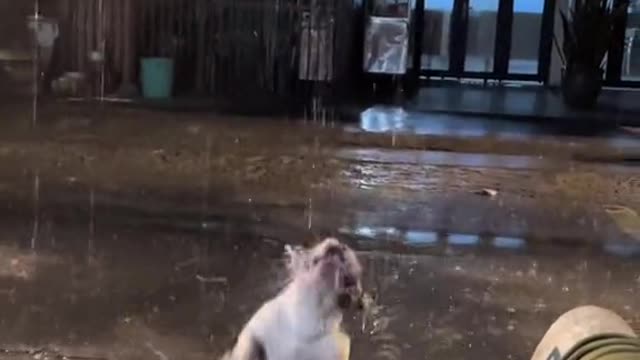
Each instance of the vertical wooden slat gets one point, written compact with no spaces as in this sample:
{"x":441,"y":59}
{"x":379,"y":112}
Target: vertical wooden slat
{"x":119,"y":29}
{"x":200,"y":73}
{"x":88,"y":31}
{"x":128,"y":39}
{"x":66,"y":30}
{"x":236,"y":46}
{"x":153,"y":27}
{"x":77,"y":31}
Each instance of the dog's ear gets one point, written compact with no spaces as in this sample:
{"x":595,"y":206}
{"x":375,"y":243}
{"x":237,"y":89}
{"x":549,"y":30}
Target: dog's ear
{"x":247,"y":348}
{"x":259,"y":353}
{"x":297,"y":260}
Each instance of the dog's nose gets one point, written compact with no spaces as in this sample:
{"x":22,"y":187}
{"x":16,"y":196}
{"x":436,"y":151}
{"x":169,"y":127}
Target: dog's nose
{"x":334,"y":250}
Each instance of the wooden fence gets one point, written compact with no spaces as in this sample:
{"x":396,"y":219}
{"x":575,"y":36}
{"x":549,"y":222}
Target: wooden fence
{"x":221,"y":47}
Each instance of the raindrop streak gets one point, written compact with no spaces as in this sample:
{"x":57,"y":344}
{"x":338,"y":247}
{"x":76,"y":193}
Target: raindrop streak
{"x":102,"y":48}
{"x":36,"y":64}
{"x":310,"y":214}
{"x":314,"y":109}
{"x":204,"y":247}
{"x":205,"y":184}
{"x":36,"y":210}
{"x":92,"y":225}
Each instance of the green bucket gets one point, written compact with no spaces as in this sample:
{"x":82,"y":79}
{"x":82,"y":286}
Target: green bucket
{"x":157,"y":77}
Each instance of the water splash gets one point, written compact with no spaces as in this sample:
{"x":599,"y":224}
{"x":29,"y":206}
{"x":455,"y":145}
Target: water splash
{"x":310,"y":214}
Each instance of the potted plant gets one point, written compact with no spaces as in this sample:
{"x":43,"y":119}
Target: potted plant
{"x":587,"y":31}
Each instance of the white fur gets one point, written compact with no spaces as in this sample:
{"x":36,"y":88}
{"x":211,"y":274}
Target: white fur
{"x":303,"y":321}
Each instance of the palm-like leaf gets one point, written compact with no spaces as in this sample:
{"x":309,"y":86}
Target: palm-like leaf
{"x":588,"y":30}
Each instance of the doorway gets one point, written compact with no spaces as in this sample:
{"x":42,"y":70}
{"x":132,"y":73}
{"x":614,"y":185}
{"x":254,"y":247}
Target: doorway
{"x":483,"y":39}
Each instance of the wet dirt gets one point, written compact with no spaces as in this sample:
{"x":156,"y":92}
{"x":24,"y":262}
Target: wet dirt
{"x":138,"y":235}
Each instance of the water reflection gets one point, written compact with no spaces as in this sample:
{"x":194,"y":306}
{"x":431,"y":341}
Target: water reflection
{"x":446,"y":158}
{"x":376,"y":232}
{"x":421,"y":238}
{"x":396,"y":119}
{"x":382,"y":119}
{"x":463,"y":239}
{"x":509,"y":243}
{"x":372,"y":237}
{"x":414,"y":238}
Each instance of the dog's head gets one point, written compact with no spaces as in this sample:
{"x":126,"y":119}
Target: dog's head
{"x":333,"y":268}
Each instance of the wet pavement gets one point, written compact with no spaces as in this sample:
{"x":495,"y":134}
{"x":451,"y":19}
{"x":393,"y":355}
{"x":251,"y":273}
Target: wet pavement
{"x":536,"y":103}
{"x":129,"y":234}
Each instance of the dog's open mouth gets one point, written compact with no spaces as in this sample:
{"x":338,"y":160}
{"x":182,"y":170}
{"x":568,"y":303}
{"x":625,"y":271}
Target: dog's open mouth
{"x":349,"y":281}
{"x":344,"y":301}
{"x":349,"y":293}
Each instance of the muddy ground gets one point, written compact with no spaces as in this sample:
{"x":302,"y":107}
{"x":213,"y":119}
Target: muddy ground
{"x":133,"y":234}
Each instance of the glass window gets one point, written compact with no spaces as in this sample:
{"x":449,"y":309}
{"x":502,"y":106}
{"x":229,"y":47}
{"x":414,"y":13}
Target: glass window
{"x":435,"y":47}
{"x":481,"y":35}
{"x":525,"y":36}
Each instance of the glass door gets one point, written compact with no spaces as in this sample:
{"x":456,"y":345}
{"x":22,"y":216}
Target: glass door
{"x":631,"y":57}
{"x":623,"y":58}
{"x":484,"y":39}
{"x":435,"y":41}
{"x":481,"y":35}
{"x":525,"y":36}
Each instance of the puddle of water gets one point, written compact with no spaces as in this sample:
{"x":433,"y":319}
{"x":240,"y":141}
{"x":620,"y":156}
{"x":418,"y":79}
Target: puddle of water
{"x":383,"y":119}
{"x":443,"y":158}
{"x":395,"y":119}
{"x":207,"y":287}
{"x":622,"y":249}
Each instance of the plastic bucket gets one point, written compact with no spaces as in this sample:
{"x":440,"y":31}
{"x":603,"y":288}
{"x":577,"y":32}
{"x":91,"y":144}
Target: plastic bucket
{"x":156,"y":77}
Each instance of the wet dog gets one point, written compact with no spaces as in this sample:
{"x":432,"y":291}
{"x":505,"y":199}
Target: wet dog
{"x":303,"y":322}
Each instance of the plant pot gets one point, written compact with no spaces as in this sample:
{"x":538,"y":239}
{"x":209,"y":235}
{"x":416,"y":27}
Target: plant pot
{"x":581,"y":86}
{"x":156,"y":77}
